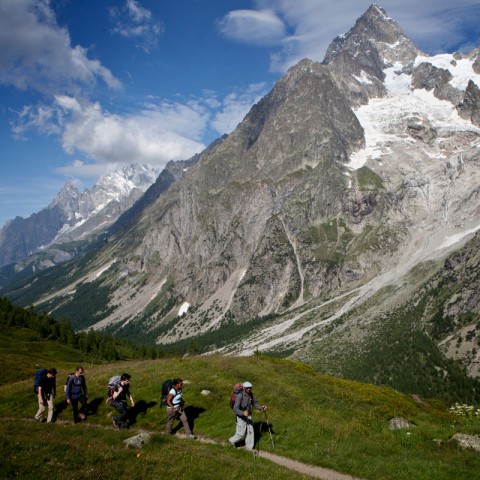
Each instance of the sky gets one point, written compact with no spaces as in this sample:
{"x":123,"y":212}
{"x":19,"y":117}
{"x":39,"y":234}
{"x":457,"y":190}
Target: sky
{"x":87,"y":86}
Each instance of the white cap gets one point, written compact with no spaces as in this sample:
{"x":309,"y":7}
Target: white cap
{"x":247,"y":385}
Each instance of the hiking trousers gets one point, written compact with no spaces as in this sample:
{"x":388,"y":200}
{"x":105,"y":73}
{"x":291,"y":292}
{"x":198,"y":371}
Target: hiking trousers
{"x":244,"y":428}
{"x":180,"y":414}
{"x":50,"y":401}
{"x":122,"y":418}
{"x":79,"y":414}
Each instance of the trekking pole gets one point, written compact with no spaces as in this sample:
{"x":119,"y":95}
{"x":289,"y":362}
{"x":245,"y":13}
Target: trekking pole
{"x":269,"y":430}
{"x":160,"y":422}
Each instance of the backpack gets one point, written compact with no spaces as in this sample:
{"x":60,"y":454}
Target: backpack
{"x":41,"y":373}
{"x":167,"y":385}
{"x":238,"y":388}
{"x":70,"y":375}
{"x":112,"y":385}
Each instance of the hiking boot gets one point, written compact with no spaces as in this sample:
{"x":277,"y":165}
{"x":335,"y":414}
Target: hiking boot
{"x":115,"y":424}
{"x":82,"y":416}
{"x":191,"y":435}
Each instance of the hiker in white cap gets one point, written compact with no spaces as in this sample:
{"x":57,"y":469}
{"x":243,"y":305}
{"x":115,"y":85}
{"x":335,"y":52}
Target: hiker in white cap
{"x":244,"y":401}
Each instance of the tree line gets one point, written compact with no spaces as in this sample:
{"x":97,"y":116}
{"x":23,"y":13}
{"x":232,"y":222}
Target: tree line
{"x":95,"y":344}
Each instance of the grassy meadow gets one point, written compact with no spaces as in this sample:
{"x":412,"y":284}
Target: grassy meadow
{"x":315,"y":418}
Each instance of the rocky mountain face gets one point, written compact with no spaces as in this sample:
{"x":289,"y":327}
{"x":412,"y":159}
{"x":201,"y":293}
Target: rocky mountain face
{"x":359,"y":58}
{"x":330,"y":209}
{"x":74,"y":216}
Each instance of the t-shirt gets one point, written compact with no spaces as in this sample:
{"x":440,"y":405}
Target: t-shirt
{"x":177,"y":400}
{"x":48,"y":386}
{"x":124,"y":394}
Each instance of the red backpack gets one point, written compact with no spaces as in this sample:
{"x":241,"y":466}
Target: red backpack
{"x":238,"y":388}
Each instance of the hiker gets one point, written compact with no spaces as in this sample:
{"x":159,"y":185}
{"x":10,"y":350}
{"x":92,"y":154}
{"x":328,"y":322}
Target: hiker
{"x":244,"y":400}
{"x":47,"y":391}
{"x":77,"y":391}
{"x":175,"y":405}
{"x":121,"y":392}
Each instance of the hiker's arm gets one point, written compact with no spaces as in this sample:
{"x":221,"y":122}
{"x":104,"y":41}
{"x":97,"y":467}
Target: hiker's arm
{"x":68,"y":390}
{"x":132,"y":403}
{"x":257,"y":405}
{"x":117,"y":392}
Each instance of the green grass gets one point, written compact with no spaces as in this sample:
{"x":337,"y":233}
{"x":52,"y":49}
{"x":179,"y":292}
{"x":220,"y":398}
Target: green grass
{"x":368,"y":179}
{"x":315,"y":418}
{"x":21,"y":350}
{"x":95,"y":453}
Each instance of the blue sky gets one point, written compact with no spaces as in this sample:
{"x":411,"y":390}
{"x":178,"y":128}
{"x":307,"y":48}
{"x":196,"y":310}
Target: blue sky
{"x":91,"y":85}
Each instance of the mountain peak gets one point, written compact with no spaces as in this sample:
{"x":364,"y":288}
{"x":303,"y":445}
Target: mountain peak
{"x":377,"y":33}
{"x":358,"y":58}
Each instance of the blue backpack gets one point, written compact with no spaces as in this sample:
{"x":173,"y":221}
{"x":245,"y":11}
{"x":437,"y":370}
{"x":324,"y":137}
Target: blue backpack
{"x":41,"y":373}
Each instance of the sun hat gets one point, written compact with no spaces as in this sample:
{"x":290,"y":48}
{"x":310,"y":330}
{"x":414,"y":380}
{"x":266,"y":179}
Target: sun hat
{"x":247,"y":385}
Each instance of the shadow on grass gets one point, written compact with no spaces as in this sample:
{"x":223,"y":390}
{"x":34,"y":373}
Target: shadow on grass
{"x":59,"y":409}
{"x":140,"y":408}
{"x":94,"y":405}
{"x":192,"y":414}
{"x":92,"y":408}
{"x":263,"y":432}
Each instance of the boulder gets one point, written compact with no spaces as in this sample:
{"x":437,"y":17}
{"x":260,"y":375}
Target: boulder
{"x":399,"y":423}
{"x":467,"y":441}
{"x":138,"y":441}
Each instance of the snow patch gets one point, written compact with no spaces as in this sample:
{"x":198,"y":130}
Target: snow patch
{"x":364,"y":78}
{"x":461,"y":70}
{"x":183,"y":309}
{"x":381,"y":127}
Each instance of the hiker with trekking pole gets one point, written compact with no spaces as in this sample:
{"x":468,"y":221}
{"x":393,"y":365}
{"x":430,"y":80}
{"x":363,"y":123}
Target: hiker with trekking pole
{"x":174,"y":402}
{"x":242,"y":402}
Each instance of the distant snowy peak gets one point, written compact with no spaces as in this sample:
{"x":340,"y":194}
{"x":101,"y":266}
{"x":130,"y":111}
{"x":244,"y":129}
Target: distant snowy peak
{"x":115,"y":187}
{"x":119,"y":183}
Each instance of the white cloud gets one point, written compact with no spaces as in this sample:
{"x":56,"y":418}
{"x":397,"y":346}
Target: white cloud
{"x":254,"y":27}
{"x":36,"y":53}
{"x":305,"y":28}
{"x":136,"y":22}
{"x":152,"y":135}
{"x":41,"y":118}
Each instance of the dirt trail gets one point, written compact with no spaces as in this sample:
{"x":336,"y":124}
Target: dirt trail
{"x":303,"y":468}
{"x":312,"y":470}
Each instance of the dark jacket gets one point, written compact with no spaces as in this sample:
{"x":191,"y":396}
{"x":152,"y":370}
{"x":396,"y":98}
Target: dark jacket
{"x":48,"y":386}
{"x":76,"y":387}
